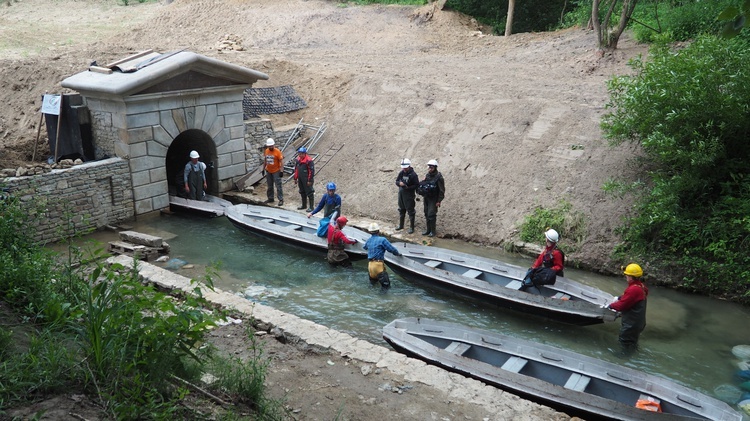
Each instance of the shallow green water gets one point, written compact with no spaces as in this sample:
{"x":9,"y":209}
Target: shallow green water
{"x":688,"y":338}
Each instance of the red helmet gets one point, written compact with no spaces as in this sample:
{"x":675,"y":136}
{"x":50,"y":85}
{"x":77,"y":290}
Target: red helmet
{"x":341,"y":221}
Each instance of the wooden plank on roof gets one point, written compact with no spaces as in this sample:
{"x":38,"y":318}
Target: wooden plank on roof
{"x":128,"y":58}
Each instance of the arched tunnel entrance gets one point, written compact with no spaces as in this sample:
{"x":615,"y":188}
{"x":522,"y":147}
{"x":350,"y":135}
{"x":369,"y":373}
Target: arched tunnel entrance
{"x":178,"y":156}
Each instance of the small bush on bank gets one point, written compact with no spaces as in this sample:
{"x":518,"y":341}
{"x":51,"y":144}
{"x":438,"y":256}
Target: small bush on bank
{"x":570,"y":224}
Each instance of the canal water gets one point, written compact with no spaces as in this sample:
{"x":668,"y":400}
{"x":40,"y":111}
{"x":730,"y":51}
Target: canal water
{"x":688,"y":338}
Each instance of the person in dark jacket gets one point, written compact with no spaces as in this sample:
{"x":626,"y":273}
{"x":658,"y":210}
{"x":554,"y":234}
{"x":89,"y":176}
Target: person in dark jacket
{"x":407,"y":181}
{"x":433,"y":190}
{"x":632,"y":305}
{"x":304,"y":176}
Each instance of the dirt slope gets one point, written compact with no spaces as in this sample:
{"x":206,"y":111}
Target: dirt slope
{"x":512,"y":121}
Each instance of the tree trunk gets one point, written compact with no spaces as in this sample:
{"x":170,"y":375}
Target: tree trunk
{"x":606,"y":39}
{"x":509,"y":21}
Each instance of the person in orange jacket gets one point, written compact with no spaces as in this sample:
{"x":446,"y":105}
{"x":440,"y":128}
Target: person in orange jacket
{"x":273,"y":169}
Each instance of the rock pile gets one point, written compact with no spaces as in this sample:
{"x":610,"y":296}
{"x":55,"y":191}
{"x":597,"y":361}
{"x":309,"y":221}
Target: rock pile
{"x":230,"y":42}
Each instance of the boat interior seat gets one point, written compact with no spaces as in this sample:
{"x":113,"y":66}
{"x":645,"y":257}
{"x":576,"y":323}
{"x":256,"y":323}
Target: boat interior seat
{"x":514,"y":364}
{"x":514,"y":285}
{"x":293,"y":227}
{"x":458,"y":348}
{"x":269,"y":220}
{"x":577,"y":382}
{"x":471,"y":273}
{"x":433,"y":263}
{"x":561,"y":296}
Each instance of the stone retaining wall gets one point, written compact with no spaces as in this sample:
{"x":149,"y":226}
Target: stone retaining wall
{"x":77,"y":199}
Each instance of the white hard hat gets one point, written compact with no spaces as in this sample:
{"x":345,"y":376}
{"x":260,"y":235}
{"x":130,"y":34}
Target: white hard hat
{"x":194,"y":155}
{"x":270,"y":142}
{"x":405,"y":163}
{"x":373,"y":227}
{"x":552,"y":235}
{"x":432,"y":162}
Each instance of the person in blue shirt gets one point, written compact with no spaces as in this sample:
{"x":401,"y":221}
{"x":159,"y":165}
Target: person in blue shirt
{"x":376,"y":247}
{"x":330,"y":202}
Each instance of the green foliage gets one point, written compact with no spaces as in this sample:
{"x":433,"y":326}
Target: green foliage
{"x":676,"y":21}
{"x":403,"y":2}
{"x":689,"y":111}
{"x":734,"y":18}
{"x":568,"y":223}
{"x":244,"y":380}
{"x":47,"y":367}
{"x":103,"y":331}
{"x":134,"y":338}
{"x":541,"y":15}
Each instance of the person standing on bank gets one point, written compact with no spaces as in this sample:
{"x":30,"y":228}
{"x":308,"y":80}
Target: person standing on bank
{"x":337,"y":240}
{"x":273,"y":166}
{"x":329,"y":203}
{"x":407,"y":181}
{"x":376,"y":247}
{"x":632,"y":305}
{"x":432,"y":188}
{"x":195,"y":177}
{"x":304,"y":176}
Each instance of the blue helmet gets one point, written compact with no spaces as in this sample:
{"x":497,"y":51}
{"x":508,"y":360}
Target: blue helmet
{"x":302,"y":149}
{"x":331,"y":186}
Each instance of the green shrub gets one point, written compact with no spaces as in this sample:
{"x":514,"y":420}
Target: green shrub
{"x":568,"y":223}
{"x":688,"y":110}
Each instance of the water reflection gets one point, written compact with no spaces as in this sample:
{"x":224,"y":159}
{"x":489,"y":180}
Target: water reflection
{"x":688,"y":338}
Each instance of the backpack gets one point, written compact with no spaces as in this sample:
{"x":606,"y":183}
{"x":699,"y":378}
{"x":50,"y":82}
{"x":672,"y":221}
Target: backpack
{"x":427,"y":188}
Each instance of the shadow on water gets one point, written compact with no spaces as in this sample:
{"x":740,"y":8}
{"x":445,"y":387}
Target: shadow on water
{"x":688,"y":338}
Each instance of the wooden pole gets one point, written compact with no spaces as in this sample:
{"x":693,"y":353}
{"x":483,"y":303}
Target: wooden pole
{"x":38,"y":131}
{"x":59,"y":123}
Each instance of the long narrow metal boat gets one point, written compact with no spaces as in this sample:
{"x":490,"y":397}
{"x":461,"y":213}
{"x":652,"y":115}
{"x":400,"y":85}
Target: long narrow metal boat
{"x":290,"y":227}
{"x":554,"y":376}
{"x":500,"y":283}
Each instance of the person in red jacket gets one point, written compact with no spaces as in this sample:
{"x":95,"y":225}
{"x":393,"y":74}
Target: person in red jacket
{"x":304,"y":176}
{"x":632,"y":305}
{"x":337,"y":241}
{"x":551,"y":257}
{"x":547,"y":267}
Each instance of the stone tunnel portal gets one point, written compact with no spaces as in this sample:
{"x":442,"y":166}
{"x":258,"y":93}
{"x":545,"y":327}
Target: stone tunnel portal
{"x":178,"y":156}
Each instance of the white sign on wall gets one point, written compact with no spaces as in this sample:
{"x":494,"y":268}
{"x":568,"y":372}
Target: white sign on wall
{"x":51,"y":104}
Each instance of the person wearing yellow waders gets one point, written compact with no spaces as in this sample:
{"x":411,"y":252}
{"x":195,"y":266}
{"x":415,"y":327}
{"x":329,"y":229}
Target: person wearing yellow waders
{"x":632,"y":305}
{"x":376,"y":247}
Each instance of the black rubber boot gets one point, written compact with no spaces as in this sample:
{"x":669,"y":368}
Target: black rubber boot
{"x":400,"y":222}
{"x":411,"y":224}
{"x":427,"y":230}
{"x":304,"y":203}
{"x":431,"y":227}
{"x":311,"y":199}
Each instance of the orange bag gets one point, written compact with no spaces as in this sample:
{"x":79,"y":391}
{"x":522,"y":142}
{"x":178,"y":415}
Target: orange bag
{"x":648,"y":403}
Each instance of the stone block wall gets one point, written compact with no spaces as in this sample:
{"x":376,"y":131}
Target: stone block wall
{"x":141,"y":128}
{"x":77,"y":199}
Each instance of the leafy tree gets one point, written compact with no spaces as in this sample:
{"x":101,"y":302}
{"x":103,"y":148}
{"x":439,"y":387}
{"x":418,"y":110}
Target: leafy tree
{"x":689,"y":111}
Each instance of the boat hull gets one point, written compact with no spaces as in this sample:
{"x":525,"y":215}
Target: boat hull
{"x":498,"y":283}
{"x":556,"y":377}
{"x":290,"y":228}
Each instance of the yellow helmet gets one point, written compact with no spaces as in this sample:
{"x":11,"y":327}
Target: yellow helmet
{"x":633,"y":270}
